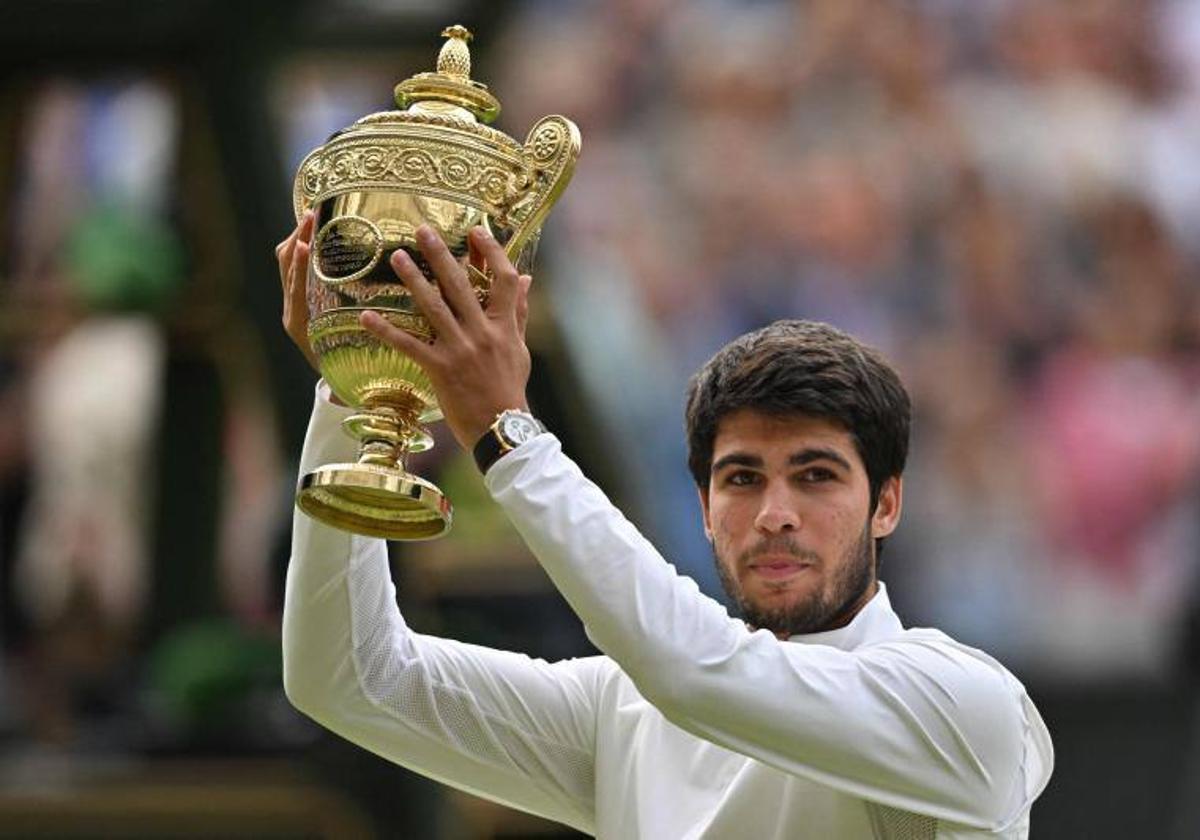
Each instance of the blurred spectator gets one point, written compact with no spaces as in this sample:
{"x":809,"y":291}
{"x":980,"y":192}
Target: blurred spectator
{"x":96,"y":261}
{"x":96,"y":268}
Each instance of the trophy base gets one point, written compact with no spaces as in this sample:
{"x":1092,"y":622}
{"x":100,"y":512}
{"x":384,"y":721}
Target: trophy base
{"x":375,"y":501}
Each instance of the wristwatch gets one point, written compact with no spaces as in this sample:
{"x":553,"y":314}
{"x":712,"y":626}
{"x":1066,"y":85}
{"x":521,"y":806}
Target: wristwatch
{"x":510,"y":429}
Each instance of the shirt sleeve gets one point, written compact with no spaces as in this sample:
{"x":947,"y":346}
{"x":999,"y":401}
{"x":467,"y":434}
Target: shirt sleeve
{"x":500,"y":725}
{"x":918,"y":723}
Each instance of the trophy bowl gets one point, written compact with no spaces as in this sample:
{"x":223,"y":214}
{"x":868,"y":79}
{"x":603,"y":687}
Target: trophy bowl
{"x":435,"y":161}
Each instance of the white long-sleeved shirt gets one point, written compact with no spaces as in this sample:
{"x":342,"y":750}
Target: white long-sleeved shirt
{"x":691,"y":725}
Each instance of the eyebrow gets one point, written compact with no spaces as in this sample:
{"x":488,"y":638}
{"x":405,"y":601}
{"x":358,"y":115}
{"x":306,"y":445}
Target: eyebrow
{"x":796,"y":459}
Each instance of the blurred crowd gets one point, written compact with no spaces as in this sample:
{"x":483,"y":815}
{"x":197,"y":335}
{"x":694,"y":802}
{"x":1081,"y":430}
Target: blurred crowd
{"x":1003,"y":195}
{"x":114,"y":330}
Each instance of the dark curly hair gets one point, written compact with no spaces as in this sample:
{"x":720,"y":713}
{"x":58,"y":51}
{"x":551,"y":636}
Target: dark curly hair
{"x":808,"y":368}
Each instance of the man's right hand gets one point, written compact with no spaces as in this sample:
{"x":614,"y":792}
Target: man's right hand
{"x":292,"y":254}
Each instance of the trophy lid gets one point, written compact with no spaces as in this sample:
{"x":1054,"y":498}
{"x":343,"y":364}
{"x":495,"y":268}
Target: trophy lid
{"x":438,"y":145}
{"x":451,"y":83}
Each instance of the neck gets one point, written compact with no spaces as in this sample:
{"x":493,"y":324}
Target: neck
{"x":846,"y":613}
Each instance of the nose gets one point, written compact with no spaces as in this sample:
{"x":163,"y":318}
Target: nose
{"x":778,"y":512}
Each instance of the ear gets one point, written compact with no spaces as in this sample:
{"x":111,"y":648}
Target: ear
{"x":704,"y":509}
{"x":887,"y":511}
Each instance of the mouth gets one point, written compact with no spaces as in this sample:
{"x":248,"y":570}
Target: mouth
{"x":778,"y":568}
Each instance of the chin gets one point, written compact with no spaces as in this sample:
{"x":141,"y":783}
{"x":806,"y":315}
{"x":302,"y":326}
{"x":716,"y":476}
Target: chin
{"x":778,"y":601}
{"x":779,"y":593}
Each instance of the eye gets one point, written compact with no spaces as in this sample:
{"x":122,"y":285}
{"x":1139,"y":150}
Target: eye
{"x":817,"y":475}
{"x":741,"y":478}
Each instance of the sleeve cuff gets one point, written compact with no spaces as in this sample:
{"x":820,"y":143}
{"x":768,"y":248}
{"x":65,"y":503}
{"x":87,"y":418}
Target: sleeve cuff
{"x":326,"y":442}
{"x":511,"y":464}
{"x":324,"y":396}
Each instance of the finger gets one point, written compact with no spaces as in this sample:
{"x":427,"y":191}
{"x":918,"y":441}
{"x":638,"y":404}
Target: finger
{"x":405,"y":342}
{"x":283,"y":255}
{"x":523,"y":304}
{"x":307,"y":222}
{"x":295,"y":303}
{"x":426,"y":296}
{"x":452,"y":279}
{"x":285,"y":247}
{"x":505,"y":281}
{"x":298,"y":282}
{"x":297,"y":274}
{"x":285,"y":250}
{"x":304,"y":239}
{"x":287,"y":240}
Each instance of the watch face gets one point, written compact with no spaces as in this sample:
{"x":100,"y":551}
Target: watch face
{"x":518,"y":428}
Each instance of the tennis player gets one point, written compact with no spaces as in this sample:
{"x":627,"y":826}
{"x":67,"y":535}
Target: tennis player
{"x":815,"y":714}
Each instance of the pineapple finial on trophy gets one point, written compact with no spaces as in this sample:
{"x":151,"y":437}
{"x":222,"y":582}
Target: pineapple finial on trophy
{"x":455,"y":57}
{"x":451,"y":84}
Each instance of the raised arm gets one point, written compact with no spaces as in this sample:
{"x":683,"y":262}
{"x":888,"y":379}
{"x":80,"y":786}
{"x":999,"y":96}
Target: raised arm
{"x":921,"y":724}
{"x":498,"y":724}
{"x":501,"y":725}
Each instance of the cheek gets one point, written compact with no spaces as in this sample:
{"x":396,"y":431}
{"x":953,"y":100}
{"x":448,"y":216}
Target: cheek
{"x":843,"y":526}
{"x":829,"y":526}
{"x":838,"y":521}
{"x":725,"y":523}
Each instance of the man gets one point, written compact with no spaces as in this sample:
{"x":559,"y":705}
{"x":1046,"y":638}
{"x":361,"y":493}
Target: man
{"x":819,"y":716}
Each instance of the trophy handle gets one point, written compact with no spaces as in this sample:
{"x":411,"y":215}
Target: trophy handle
{"x":550,"y":152}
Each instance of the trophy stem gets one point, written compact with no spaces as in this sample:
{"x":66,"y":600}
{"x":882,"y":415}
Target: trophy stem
{"x":377,"y":496}
{"x":383,"y":436}
{"x":388,"y":430}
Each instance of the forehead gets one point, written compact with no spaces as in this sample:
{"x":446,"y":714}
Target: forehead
{"x":761,"y":433}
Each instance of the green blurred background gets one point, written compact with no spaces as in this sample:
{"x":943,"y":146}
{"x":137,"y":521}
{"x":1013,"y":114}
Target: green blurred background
{"x":1004,"y":195}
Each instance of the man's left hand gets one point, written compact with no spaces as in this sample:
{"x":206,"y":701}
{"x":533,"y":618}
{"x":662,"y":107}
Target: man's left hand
{"x":478,"y":363}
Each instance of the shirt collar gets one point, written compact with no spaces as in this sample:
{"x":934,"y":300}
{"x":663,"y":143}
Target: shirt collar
{"x":874,"y":623}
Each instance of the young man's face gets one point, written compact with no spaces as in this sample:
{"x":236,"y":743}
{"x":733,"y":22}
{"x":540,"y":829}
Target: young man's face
{"x":787,"y":509}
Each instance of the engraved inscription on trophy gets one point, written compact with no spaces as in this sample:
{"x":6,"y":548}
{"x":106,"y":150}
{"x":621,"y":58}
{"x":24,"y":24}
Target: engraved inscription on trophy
{"x":346,"y":249}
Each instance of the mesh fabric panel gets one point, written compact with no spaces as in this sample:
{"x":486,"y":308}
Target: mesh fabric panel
{"x":895,"y":824}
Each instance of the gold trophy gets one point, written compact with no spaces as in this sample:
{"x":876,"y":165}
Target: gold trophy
{"x":436,"y":162}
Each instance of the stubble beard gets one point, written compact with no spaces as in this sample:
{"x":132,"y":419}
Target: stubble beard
{"x":827,"y":608}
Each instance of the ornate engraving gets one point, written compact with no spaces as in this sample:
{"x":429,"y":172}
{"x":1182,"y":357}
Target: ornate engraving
{"x":413,"y":165}
{"x":546,"y":142}
{"x":489,"y":180}
{"x":458,"y":172}
{"x":340,"y":328}
{"x":551,"y":148}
